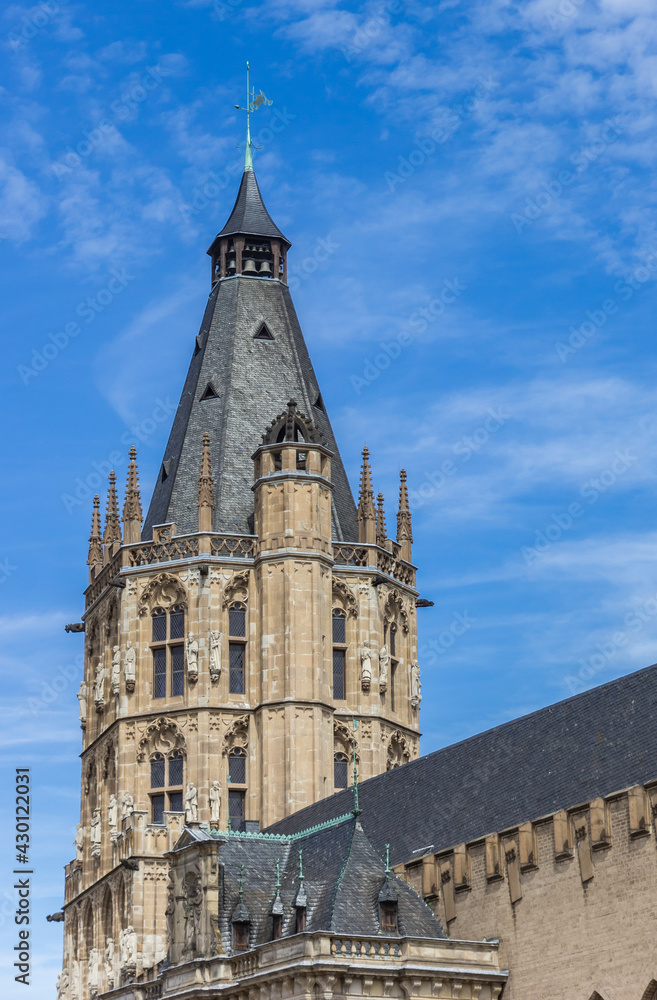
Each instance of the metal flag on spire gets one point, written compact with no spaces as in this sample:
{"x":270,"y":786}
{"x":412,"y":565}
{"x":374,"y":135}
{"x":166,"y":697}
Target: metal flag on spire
{"x":253,"y":102}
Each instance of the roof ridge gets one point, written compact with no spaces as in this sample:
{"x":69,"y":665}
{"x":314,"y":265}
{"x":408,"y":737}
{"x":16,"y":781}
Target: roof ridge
{"x":340,"y":877}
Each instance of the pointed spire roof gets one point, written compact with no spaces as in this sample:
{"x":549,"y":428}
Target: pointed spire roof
{"x":366,"y":498}
{"x":132,"y":507}
{"x":381,"y":531}
{"x":95,"y":540}
{"x":404,"y":531}
{"x":249,"y":216}
{"x":112,"y":531}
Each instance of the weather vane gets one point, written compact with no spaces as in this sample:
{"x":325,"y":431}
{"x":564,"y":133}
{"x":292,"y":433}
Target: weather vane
{"x":253,"y":102}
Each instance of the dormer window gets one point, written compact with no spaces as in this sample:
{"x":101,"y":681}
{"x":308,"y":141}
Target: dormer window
{"x":388,"y":913}
{"x":277,"y":926}
{"x":300,"y":920}
{"x":241,"y":935}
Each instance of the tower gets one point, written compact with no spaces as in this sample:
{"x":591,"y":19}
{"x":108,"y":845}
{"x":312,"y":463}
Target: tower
{"x":230,"y":643}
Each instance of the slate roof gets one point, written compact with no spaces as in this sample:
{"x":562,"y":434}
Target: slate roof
{"x":343,"y":876}
{"x":251,"y":382}
{"x":249,"y":216}
{"x":595,"y":743}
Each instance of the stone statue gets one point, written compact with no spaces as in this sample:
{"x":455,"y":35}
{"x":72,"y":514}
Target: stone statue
{"x":191,"y":803}
{"x":129,"y":669}
{"x":215,"y":802}
{"x":96,"y":834}
{"x":113,"y":813}
{"x":109,"y":962}
{"x":99,"y":687}
{"x":215,"y":655}
{"x":82,"y":699}
{"x":94,"y":970}
{"x":192,"y":657}
{"x":194,"y":898}
{"x":79,"y":842}
{"x":115,"y":676}
{"x":127,"y":805}
{"x":170,"y":914}
{"x":62,"y":985}
{"x":75,"y":980}
{"x":366,"y":666}
{"x":416,"y":697}
{"x":384,"y":666}
{"x":128,"y":945}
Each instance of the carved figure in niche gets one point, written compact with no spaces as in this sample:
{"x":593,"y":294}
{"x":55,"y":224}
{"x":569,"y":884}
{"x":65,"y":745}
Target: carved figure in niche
{"x":416,"y":697}
{"x":384,"y":666}
{"x":99,"y":687}
{"x":192,"y":913}
{"x":366,"y":665}
{"x":192,"y":657}
{"x":128,"y":945}
{"x":115,"y":676}
{"x":82,"y":699}
{"x":76,"y":976}
{"x":215,"y":802}
{"x":113,"y":814}
{"x":191,"y":803}
{"x":170,"y":914}
{"x":127,"y":805}
{"x":109,"y":962}
{"x":94,"y":970}
{"x":96,"y":833}
{"x":129,"y":667}
{"x":79,"y":842}
{"x":62,"y":985}
{"x":215,"y":655}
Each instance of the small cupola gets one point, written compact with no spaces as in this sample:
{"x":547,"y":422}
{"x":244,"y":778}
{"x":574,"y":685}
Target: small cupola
{"x":388,"y":901}
{"x":277,"y":911}
{"x":241,"y":921}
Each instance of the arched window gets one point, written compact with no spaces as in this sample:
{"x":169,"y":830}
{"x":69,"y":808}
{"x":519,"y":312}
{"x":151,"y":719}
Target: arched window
{"x":237,"y":788}
{"x":166,"y":784}
{"x":339,"y":626}
{"x":167,"y":645}
{"x":340,"y":770}
{"x":236,"y":647}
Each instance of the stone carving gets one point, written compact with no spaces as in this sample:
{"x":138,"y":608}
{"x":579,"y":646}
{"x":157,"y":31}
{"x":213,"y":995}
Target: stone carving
{"x":343,"y":740}
{"x":384,"y":667}
{"x":127,"y":805}
{"x":96,"y":834}
{"x":170,"y":914}
{"x":237,"y":734}
{"x":94,"y":971}
{"x":366,"y":666}
{"x":76,"y":979}
{"x":113,"y":814}
{"x":82,"y":700}
{"x":191,"y":649}
{"x":237,"y":589}
{"x":109,"y":962}
{"x":99,"y":687}
{"x":79,"y":842}
{"x":215,"y":802}
{"x":394,"y":610}
{"x":191,"y":803}
{"x":161,"y":736}
{"x":115,"y":676}
{"x":162,"y":592}
{"x":193,"y":900}
{"x":129,"y":667}
{"x":415,"y":686}
{"x":215,"y":655}
{"x":62,"y":986}
{"x":344,"y":598}
{"x":398,"y":750}
{"x":128,"y":947}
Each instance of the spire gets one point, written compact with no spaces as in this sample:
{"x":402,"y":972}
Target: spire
{"x":95,"y":557}
{"x":132,"y":512}
{"x":356,"y":810}
{"x":366,"y":512}
{"x":112,"y":533}
{"x":381,"y":532}
{"x":404,"y":531}
{"x":205,"y":502}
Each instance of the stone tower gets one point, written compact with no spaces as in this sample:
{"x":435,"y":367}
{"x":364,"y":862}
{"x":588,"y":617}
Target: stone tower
{"x":256,"y":634}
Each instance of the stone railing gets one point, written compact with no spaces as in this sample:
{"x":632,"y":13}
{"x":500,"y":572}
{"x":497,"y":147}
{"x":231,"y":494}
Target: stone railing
{"x":375,"y":948}
{"x":245,"y":965}
{"x":151,"y":991}
{"x":373,"y":556}
{"x":147,"y":553}
{"x":107,"y":573}
{"x":233,"y":546}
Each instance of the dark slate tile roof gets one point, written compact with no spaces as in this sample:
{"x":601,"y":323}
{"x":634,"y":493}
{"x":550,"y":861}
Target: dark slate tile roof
{"x":253,"y":381}
{"x":594,"y":743}
{"x":343,"y":876}
{"x":249,"y":216}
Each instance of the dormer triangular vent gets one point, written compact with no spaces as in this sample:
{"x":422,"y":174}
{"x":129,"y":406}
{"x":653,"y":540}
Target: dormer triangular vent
{"x":264,"y":333}
{"x":209,"y":392}
{"x":166,"y":469}
{"x":319,"y":403}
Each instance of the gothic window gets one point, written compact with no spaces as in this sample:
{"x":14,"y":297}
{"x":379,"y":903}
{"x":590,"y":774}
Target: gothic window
{"x":166,"y":794}
{"x":389,"y":917}
{"x":236,"y":803}
{"x":168,"y":652}
{"x":340,"y":771}
{"x":339,"y":654}
{"x":236,"y":647}
{"x":237,"y":788}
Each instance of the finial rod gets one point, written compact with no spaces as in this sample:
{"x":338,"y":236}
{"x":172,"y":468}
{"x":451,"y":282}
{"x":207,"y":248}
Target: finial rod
{"x":253,"y":102}
{"x":353,"y":742}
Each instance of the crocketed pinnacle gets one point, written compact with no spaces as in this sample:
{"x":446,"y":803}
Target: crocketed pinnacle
{"x":205,"y":501}
{"x":95,"y":540}
{"x":132,"y":507}
{"x":112,"y":526}
{"x":366,"y":510}
{"x":381,"y":532}
{"x":404,"y":532}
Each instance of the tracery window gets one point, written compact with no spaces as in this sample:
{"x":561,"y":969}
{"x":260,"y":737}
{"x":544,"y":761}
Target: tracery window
{"x":340,"y":770}
{"x":166,"y":784}
{"x":168,"y":648}
{"x":237,"y":788}
{"x":339,"y":626}
{"x":236,"y":648}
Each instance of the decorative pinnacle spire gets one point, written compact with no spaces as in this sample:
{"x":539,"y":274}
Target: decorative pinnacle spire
{"x":366,"y":496}
{"x":132,"y":512}
{"x":381,"y":532}
{"x":112,"y":526}
{"x":387,"y":860}
{"x":205,"y":502}
{"x":404,"y":532}
{"x":95,"y":541}
{"x":278,"y":874}
{"x":241,"y":883}
{"x":300,"y":865}
{"x":253,"y":102}
{"x":356,"y":809}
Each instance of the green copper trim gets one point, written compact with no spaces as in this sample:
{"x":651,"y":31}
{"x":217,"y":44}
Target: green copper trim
{"x":279,"y":838}
{"x":248,"y":158}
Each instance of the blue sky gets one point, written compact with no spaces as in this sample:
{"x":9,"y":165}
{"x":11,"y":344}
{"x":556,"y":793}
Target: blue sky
{"x":477,"y":179}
